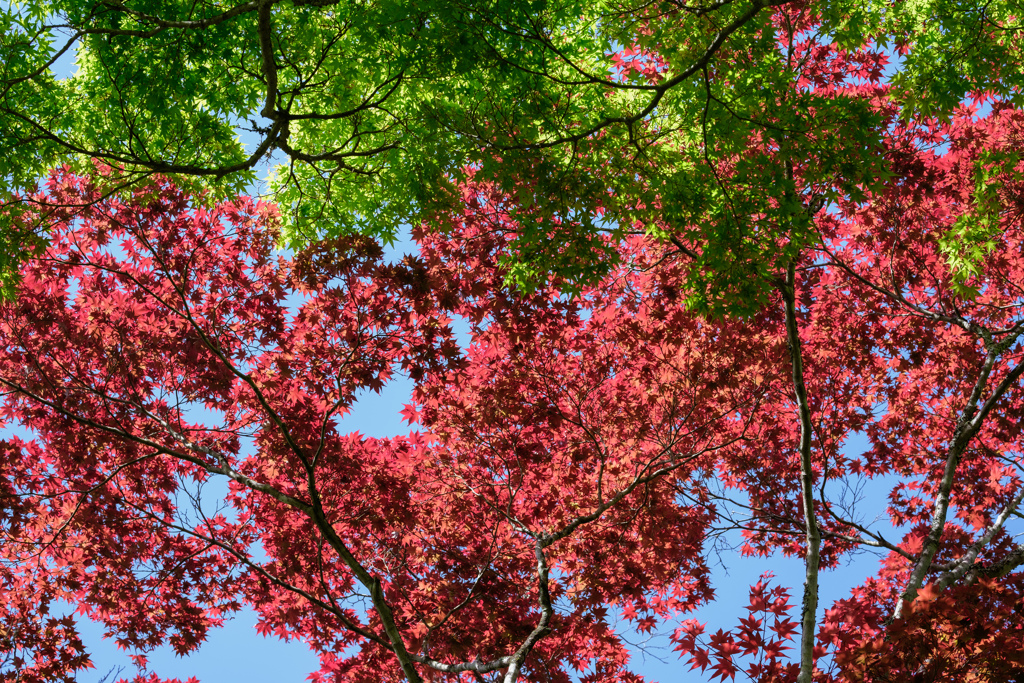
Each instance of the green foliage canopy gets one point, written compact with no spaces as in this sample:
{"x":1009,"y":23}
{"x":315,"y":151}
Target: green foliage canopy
{"x":596,"y":116}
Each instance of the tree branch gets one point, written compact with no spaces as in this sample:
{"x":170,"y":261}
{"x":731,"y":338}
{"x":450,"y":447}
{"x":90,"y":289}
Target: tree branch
{"x":808,"y":619}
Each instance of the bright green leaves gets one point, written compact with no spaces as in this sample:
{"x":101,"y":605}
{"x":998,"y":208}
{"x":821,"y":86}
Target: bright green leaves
{"x":378,"y":109}
{"x":951,"y":49}
{"x":26,"y":46}
{"x":978,"y":228}
{"x":724,"y":124}
{"x":19,"y":241}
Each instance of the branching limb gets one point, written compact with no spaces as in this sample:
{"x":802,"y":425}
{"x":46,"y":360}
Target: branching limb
{"x":967,"y":427}
{"x":546,"y":612}
{"x":660,"y":90}
{"x":966,"y":563}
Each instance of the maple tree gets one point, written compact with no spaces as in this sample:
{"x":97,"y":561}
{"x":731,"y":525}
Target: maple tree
{"x":754,"y":253}
{"x":569,"y":465}
{"x":144,"y":314}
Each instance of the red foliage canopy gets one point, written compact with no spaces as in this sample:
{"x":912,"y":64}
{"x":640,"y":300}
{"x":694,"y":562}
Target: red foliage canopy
{"x":573,"y":460}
